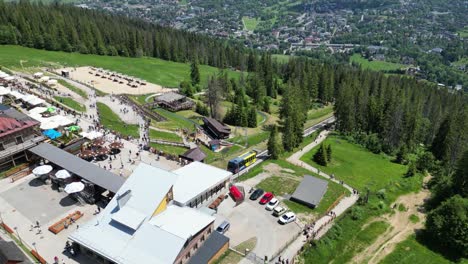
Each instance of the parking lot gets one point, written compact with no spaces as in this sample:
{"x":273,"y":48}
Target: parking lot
{"x":251,"y":219}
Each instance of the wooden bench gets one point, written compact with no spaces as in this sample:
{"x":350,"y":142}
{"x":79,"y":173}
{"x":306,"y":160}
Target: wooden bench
{"x":38,"y":257}
{"x":20,"y":175}
{"x":60,"y":225}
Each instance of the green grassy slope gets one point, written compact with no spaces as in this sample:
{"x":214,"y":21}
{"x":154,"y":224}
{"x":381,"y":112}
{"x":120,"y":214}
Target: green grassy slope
{"x":165,"y":73}
{"x":376,"y":65}
{"x":357,"y":166}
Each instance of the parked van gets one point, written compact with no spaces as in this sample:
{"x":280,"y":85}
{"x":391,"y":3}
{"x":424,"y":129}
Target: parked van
{"x":278,"y":210}
{"x":223,"y":227}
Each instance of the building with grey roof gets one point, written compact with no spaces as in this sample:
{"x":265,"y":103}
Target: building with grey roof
{"x":310,"y":191}
{"x":88,"y":171}
{"x":215,"y":245}
{"x":144,"y":223}
{"x":11,"y":253}
{"x":174,"y":101}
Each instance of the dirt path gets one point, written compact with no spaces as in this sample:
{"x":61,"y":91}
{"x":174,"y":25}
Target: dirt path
{"x":400,"y":227}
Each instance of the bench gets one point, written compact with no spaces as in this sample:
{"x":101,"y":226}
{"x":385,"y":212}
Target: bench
{"x":20,"y":175}
{"x":38,"y":257}
{"x":16,"y":169}
{"x":60,"y":225}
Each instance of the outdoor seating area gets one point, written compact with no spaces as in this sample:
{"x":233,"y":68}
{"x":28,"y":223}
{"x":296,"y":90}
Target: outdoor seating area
{"x":65,"y":222}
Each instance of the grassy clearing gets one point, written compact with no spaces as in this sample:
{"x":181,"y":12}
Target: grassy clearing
{"x":73,"y":88}
{"x":412,"y":251}
{"x":165,"y":73}
{"x":174,"y":121}
{"x":316,"y":116}
{"x":229,"y":257}
{"x":140,"y":99}
{"x":155,"y":134}
{"x":250,"y":23}
{"x":112,"y":121}
{"x":281,"y":58}
{"x":248,"y":244}
{"x":414,"y":218}
{"x":357,"y":166}
{"x":463,"y":32}
{"x":279,"y":185}
{"x":375,"y":65}
{"x":174,"y":150}
{"x":71,"y":103}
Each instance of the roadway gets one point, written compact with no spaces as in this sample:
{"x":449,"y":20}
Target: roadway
{"x":262,"y":156}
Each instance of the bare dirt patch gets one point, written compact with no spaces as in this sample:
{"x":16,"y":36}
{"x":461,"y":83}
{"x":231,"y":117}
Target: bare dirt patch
{"x":400,"y":227}
{"x":116,"y":84}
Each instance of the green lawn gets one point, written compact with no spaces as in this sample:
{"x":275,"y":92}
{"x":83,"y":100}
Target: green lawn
{"x":375,"y":65}
{"x":281,"y":58}
{"x":250,"y":23}
{"x":174,"y":150}
{"x":411,"y":251}
{"x":463,"y":32}
{"x":315,"y":116}
{"x":357,"y":166}
{"x":174,"y":121}
{"x":165,"y":73}
{"x":140,"y":99}
{"x":155,"y":134}
{"x":73,"y":88}
{"x":279,"y":185}
{"x":112,"y":121}
{"x":71,"y":103}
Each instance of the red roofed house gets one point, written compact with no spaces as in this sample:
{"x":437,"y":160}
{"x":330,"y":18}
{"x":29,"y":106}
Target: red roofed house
{"x":18,"y":133}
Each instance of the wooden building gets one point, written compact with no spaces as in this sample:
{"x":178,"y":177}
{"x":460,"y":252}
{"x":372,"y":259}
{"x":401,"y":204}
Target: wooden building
{"x":174,"y":101}
{"x":216,"y":128}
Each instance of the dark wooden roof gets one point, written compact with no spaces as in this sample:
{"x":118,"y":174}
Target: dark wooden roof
{"x":217,"y":125}
{"x":195,"y":154}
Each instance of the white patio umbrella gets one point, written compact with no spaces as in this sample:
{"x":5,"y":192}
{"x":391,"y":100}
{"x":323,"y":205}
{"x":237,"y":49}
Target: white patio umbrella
{"x":62,"y":174}
{"x":49,"y":124}
{"x":74,"y":187}
{"x":38,"y":110}
{"x":41,"y":170}
{"x":91,"y":135}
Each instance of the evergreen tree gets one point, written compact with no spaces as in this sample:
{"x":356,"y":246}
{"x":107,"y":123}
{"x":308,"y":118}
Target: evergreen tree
{"x":329,"y":153}
{"x":202,"y":109}
{"x":274,"y":147}
{"x":194,"y":73}
{"x":448,"y":224}
{"x":320,"y":157}
{"x":252,"y":118}
{"x":401,"y":155}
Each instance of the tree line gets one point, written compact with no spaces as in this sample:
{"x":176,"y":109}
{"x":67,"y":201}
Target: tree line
{"x":59,"y":27}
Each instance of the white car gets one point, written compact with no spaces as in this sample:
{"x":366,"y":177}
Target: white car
{"x":287,"y":218}
{"x":273,"y":202}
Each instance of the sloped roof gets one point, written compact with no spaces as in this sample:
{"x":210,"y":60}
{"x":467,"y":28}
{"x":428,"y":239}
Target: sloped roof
{"x":211,"y":246}
{"x":195,"y":178}
{"x":10,"y":125}
{"x":195,"y":154}
{"x":170,"y":97}
{"x":217,"y":125}
{"x":10,"y":252}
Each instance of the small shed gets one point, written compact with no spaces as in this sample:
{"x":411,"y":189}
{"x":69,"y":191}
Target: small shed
{"x":215,"y":144}
{"x":65,"y":73}
{"x":195,"y":154}
{"x":310,"y":191}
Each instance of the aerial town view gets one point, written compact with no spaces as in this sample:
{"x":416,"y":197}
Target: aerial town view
{"x":225,"y":132}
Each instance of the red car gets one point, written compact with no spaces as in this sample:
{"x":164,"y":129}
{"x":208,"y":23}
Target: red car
{"x":266,"y":198}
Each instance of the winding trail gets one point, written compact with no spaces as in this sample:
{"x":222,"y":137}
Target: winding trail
{"x":400,"y":228}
